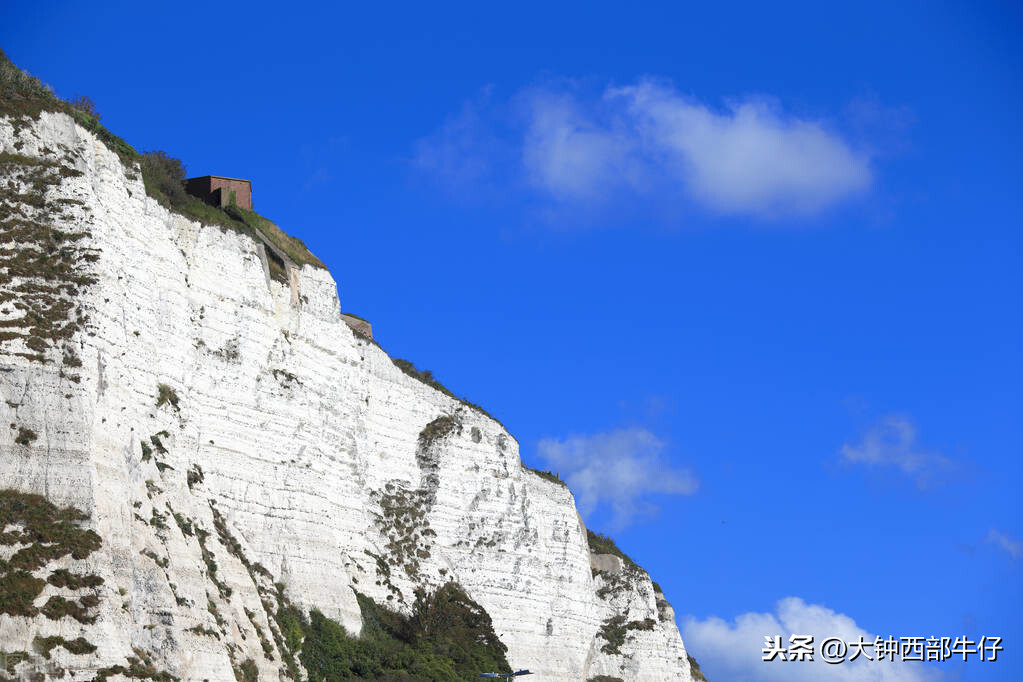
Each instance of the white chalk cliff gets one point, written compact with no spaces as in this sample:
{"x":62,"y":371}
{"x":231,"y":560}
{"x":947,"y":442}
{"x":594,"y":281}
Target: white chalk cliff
{"x":295,"y":454}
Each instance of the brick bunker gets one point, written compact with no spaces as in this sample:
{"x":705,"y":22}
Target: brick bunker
{"x":220,"y":191}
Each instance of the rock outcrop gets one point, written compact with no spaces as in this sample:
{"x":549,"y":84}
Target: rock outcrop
{"x":230,"y":443}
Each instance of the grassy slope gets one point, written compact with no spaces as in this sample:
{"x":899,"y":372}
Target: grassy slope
{"x":22,"y":95}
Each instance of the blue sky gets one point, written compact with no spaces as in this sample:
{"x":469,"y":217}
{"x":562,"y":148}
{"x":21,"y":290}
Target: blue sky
{"x":748,"y":276}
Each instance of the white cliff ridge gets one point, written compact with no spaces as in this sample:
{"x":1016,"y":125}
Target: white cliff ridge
{"x":287,"y":450}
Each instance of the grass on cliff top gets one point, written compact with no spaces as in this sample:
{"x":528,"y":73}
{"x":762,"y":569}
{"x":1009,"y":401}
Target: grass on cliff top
{"x":423,"y":375}
{"x":294,"y":247}
{"x":546,"y":475}
{"x":602,"y":544}
{"x":164,"y":177}
{"x":22,"y":94}
{"x":426,"y":376}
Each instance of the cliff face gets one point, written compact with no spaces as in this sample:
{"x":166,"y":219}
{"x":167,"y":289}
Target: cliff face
{"x":285,"y":450}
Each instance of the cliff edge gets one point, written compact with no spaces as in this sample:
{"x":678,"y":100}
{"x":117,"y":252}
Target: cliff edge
{"x":197,"y":446}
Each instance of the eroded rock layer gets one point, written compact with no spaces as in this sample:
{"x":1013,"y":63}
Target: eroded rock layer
{"x":229,"y":443}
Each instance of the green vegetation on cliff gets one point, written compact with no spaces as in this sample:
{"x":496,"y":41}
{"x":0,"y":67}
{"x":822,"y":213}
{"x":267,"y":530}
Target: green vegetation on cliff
{"x":45,"y":533}
{"x":602,"y":544}
{"x":447,"y":637}
{"x":694,"y":668}
{"x":23,"y":95}
{"x":426,"y":376}
{"x":546,"y":475}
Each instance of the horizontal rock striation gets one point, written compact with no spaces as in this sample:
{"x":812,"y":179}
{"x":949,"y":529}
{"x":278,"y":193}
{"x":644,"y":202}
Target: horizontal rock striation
{"x":232,"y":445}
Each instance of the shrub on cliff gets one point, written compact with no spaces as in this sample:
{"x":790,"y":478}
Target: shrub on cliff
{"x":25,"y":436}
{"x":602,"y":544}
{"x":456,"y":628}
{"x":22,"y":95}
{"x":423,"y":375}
{"x":437,"y":429}
{"x":43,"y":534}
{"x":85,"y":105}
{"x":546,"y":475}
{"x":164,"y":177}
{"x":426,"y":376}
{"x":615,"y":628}
{"x":694,"y":668}
{"x":447,"y":637}
{"x":164,"y":395}
{"x":248,"y":671}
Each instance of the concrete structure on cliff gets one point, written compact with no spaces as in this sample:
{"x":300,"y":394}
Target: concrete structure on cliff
{"x":221,"y":191}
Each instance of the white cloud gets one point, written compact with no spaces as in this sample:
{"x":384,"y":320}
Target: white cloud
{"x":571,"y":156}
{"x":750,"y":159}
{"x":617,"y":469}
{"x":1008,"y":543}
{"x":647,"y":143}
{"x":893,"y":442}
{"x":734,"y":651}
